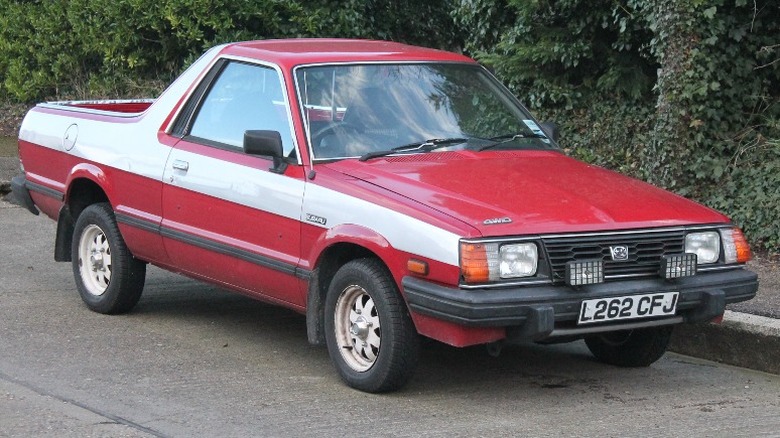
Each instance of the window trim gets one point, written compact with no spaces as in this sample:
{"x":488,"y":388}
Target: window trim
{"x":183,"y":121}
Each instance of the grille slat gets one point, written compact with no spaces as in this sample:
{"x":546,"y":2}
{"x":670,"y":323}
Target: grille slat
{"x":645,"y":250}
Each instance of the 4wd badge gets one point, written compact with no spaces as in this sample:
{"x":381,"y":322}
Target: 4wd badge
{"x":497,"y":220}
{"x":316,"y":219}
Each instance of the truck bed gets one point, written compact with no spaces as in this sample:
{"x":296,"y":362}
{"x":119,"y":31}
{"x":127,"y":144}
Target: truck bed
{"x":120,"y":108}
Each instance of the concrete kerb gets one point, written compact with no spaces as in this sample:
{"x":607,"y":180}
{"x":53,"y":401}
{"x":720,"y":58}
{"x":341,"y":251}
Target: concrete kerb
{"x":744,"y":340}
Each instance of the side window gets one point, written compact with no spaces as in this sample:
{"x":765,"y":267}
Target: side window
{"x":243,"y":97}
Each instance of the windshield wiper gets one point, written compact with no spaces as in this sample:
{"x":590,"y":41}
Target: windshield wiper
{"x":426,"y":146}
{"x":506,"y":138}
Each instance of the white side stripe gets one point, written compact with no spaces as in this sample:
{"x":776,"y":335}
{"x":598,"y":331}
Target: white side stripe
{"x":282,"y":195}
{"x":403,"y":232}
{"x":244,"y":185}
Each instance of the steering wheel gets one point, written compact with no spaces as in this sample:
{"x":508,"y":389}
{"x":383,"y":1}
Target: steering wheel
{"x":316,"y":139}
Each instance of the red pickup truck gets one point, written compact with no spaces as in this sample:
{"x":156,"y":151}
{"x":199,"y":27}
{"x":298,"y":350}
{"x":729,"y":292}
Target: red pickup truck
{"x":386,"y":192}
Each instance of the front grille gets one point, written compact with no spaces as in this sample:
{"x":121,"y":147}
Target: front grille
{"x":645,"y":250}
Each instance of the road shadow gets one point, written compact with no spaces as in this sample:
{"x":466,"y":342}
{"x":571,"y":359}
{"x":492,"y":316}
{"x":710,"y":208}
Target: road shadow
{"x":442,"y":368}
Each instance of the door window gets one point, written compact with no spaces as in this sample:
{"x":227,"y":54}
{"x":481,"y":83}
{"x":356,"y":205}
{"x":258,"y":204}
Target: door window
{"x":243,"y":97}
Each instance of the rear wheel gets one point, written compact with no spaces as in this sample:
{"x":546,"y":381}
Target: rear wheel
{"x":631,"y":348}
{"x":109,"y":279}
{"x":371,"y":338}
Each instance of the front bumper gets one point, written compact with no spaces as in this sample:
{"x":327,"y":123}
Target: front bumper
{"x":541,"y":312}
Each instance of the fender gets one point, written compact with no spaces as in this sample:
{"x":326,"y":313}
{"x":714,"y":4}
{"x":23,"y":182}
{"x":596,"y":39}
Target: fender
{"x":356,"y":235}
{"x":90,"y":172}
{"x":65,"y":220}
{"x":367,"y":239}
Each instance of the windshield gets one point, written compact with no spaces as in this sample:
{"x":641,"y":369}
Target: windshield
{"x":354,"y":110}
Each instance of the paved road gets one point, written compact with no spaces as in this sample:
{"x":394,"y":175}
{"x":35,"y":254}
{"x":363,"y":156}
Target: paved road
{"x":192,"y":360}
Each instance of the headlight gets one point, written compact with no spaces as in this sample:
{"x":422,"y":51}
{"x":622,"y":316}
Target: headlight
{"x":706,"y":246}
{"x":518,"y":260}
{"x":482,"y":262}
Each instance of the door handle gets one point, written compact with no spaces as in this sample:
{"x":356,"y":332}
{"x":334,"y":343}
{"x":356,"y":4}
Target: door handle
{"x":181,"y":165}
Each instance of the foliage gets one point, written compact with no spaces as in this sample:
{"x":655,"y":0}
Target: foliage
{"x":749,"y":190}
{"x":604,"y":132}
{"x":683,"y":93}
{"x":557,"y":53}
{"x":717,"y":129}
{"x":89,"y":48}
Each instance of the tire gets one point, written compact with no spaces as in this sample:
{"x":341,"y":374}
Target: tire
{"x":631,"y":348}
{"x":109,"y":279}
{"x":370,"y":336}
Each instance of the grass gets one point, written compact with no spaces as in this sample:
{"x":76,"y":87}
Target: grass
{"x":8,"y":147}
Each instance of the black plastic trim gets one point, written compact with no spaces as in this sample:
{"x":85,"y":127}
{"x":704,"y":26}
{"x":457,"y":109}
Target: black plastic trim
{"x":220,"y":248}
{"x":184,"y":120}
{"x":142,"y":224}
{"x":63,"y":242}
{"x":539,"y":309}
{"x":19,"y":189}
{"x":47,"y":191}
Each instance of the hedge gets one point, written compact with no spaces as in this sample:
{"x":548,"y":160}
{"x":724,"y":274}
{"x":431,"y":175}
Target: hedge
{"x":682,"y":93}
{"x":93,"y":48}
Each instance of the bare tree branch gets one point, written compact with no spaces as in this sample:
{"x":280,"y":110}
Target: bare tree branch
{"x":768,"y":49}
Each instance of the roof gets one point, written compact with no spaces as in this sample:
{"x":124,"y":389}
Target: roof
{"x":292,"y":52}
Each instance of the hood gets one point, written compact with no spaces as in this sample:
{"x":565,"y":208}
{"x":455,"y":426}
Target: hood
{"x":527,"y":192}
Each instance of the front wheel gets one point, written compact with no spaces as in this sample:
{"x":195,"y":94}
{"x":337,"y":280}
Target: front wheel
{"x":109,"y":279}
{"x":631,"y":348}
{"x":370,"y":336}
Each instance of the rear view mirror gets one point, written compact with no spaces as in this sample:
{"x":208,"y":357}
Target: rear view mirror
{"x":267,"y":144}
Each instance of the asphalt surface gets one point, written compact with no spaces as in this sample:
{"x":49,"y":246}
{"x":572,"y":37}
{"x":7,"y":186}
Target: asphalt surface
{"x":192,"y":360}
{"x":9,"y":168}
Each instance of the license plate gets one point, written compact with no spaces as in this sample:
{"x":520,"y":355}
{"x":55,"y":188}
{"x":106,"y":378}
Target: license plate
{"x":628,"y":307}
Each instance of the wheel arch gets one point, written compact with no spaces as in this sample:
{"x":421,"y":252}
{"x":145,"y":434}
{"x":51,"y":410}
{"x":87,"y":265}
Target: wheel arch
{"x":336,"y":247}
{"x":85,"y":186}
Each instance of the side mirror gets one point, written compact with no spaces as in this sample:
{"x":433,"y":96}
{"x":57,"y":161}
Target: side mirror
{"x":267,"y":144}
{"x":551,"y":129}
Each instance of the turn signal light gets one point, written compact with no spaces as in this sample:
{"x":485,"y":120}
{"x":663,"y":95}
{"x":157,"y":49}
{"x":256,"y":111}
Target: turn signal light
{"x":417,"y":267}
{"x":474,"y":262}
{"x":735,"y":246}
{"x":743,"y":249}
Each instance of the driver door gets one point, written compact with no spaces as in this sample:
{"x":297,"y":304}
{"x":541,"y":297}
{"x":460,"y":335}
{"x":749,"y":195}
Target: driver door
{"x":226,"y":217}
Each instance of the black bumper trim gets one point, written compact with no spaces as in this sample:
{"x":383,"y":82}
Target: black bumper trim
{"x":538,"y":312}
{"x":568,"y":332}
{"x":22,"y":194}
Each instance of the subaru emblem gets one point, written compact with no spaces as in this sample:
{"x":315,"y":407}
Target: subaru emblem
{"x":619,"y":252}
